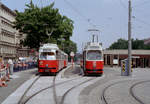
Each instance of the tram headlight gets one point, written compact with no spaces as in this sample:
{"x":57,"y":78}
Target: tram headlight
{"x":94,"y":64}
{"x":46,"y":65}
{"x":41,"y":62}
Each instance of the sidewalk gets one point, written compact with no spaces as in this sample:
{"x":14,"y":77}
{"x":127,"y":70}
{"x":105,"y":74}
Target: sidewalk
{"x":17,"y":79}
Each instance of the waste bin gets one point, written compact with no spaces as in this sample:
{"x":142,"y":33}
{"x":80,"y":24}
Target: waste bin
{"x":124,"y":67}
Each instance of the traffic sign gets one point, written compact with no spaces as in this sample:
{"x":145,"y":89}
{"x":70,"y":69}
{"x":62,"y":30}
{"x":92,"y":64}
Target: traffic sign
{"x":72,"y":54}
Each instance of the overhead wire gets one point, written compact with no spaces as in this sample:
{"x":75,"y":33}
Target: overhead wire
{"x":136,"y":19}
{"x":122,"y":4}
{"x":79,"y":13}
{"x":139,"y":20}
{"x":39,"y":3}
{"x":143,"y":3}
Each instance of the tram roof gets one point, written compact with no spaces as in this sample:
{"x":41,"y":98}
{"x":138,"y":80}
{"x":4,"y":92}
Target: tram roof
{"x":49,"y":46}
{"x":93,"y":46}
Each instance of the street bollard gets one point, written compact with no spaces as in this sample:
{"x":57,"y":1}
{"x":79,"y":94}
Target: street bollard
{"x":124,"y":67}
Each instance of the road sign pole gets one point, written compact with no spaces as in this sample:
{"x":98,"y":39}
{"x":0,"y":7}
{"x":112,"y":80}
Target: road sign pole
{"x":72,"y":61}
{"x":72,"y":56}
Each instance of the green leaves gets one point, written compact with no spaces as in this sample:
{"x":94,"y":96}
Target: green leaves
{"x":37,"y":23}
{"x":123,"y":44}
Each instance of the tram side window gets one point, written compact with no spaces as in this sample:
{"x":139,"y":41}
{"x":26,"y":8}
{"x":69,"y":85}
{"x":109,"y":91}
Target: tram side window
{"x":58,"y":55}
{"x":94,"y":55}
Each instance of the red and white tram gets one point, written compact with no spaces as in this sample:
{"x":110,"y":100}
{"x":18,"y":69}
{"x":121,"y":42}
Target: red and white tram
{"x":51,"y":59}
{"x":92,"y":62}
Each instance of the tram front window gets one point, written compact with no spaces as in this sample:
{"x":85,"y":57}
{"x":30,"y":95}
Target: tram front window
{"x":94,"y":55}
{"x":47,"y":56}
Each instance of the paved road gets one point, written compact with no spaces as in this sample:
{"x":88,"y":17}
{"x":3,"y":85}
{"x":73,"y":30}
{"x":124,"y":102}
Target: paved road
{"x":85,"y":93}
{"x":119,"y":91}
{"x":73,"y":72}
{"x":71,"y":84}
{"x":18,"y":79}
{"x":90,"y":96}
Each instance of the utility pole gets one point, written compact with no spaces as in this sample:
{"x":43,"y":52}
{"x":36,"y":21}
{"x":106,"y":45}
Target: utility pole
{"x":129,"y":39}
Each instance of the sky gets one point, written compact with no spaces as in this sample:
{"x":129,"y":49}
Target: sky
{"x":108,"y":16}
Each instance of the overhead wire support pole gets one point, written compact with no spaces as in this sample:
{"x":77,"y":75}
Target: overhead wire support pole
{"x":129,"y":39}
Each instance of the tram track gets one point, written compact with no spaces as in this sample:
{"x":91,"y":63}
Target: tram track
{"x":24,"y":99}
{"x":24,"y":94}
{"x":131,"y":92}
{"x":69,"y":90}
{"x":38,"y":92}
{"x":54,"y":87}
{"x":103,"y":97}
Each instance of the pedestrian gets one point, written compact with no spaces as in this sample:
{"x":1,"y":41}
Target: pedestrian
{"x":1,"y":63}
{"x":11,"y":65}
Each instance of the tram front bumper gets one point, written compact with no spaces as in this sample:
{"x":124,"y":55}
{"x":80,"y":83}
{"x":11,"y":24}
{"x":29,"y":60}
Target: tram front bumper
{"x":94,"y":70}
{"x":45,"y":69}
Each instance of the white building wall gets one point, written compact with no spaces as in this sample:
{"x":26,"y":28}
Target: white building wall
{"x":7,"y":33}
{"x":10,"y":37}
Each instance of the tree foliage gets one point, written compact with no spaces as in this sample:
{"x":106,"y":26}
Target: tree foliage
{"x":123,"y":44}
{"x":120,"y":44}
{"x":38,"y":23}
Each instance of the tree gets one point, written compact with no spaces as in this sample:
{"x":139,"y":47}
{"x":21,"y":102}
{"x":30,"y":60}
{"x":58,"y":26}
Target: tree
{"x":120,"y":44}
{"x":123,"y":44}
{"x":70,"y":46}
{"x":139,"y":44}
{"x":38,"y":23}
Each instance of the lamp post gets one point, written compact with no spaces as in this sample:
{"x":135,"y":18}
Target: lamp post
{"x":49,"y":34}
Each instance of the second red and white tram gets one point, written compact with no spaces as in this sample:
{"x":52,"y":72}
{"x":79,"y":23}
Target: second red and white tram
{"x":51,"y":59}
{"x":92,"y":62}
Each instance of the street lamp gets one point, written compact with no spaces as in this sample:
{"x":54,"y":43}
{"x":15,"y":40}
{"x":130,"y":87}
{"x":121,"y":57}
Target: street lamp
{"x":49,"y":34}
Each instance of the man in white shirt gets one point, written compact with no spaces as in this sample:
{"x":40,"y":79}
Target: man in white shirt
{"x":11,"y":65}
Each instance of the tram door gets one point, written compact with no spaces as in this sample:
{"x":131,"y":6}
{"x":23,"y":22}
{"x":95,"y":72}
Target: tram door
{"x":84,"y":60}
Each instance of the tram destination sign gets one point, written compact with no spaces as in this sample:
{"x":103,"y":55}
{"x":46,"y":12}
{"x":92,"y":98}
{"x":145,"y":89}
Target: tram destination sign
{"x":46,"y":50}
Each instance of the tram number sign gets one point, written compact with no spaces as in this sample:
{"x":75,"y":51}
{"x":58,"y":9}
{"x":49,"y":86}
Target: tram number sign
{"x":72,"y":54}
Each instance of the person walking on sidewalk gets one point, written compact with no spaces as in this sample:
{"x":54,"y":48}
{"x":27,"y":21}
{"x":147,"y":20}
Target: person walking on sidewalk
{"x":11,"y":65}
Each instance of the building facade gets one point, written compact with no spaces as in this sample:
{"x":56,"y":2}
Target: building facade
{"x":21,"y":51}
{"x":7,"y":33}
{"x":9,"y":37}
{"x":140,"y":58}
